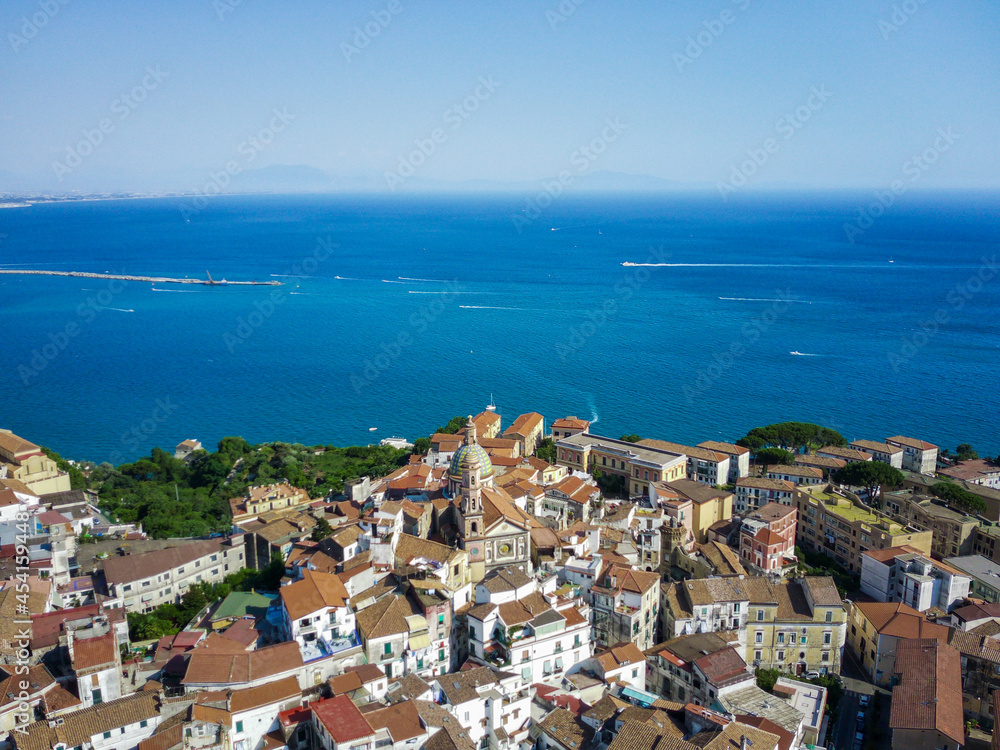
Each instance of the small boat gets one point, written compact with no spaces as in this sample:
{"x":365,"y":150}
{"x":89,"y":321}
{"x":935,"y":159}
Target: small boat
{"x":491,"y":406}
{"x":798,"y":353}
{"x":372,"y":429}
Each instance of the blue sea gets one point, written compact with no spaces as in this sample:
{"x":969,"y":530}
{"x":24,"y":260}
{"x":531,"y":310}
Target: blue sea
{"x":399,"y":313}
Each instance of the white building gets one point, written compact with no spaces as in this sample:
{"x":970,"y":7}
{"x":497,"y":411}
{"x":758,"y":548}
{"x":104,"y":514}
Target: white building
{"x":887,"y":454}
{"x":904,"y":574}
{"x":115,"y":725}
{"x":316,"y":615}
{"x":98,"y":667}
{"x":339,"y":725}
{"x":493,"y":707}
{"x":753,"y":492}
{"x":146,"y":580}
{"x":703,"y":464}
{"x":624,"y":663}
{"x":247,"y":715}
{"x":739,"y":458}
{"x":517,"y":628}
{"x":918,"y":455}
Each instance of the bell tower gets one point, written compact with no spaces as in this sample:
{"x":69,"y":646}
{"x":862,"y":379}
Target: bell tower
{"x":471,"y":503}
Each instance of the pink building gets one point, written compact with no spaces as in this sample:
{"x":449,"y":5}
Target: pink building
{"x":767,"y":538}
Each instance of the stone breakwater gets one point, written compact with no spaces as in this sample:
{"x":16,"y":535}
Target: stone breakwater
{"x":152,"y":279}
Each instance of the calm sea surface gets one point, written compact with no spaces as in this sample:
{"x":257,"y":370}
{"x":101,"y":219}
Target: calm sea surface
{"x":400,"y":313}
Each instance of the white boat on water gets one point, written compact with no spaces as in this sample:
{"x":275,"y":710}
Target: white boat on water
{"x":372,"y":429}
{"x":491,"y":406}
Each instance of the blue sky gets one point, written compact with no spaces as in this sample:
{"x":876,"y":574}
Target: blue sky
{"x":557,"y":79}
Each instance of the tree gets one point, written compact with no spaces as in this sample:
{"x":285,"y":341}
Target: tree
{"x":322,"y":530}
{"x":546,"y":450}
{"x":955,"y":494}
{"x":794,"y":436}
{"x":454,"y":425}
{"x":872,"y":475}
{"x":631,"y":438}
{"x":774,"y":456}
{"x":421,"y":446}
{"x":966,"y":452}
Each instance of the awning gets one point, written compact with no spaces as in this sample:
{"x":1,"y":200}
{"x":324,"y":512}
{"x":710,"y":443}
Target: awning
{"x":423,"y":640}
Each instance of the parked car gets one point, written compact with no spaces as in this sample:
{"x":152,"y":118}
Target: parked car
{"x":864,"y":701}
{"x":861,"y":717}
{"x":811,"y":675}
{"x":859,"y":737}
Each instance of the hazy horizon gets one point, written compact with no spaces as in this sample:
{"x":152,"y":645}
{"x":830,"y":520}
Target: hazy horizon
{"x":223,"y":95}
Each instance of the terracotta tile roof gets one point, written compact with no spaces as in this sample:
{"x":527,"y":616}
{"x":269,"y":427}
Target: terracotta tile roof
{"x":913,"y":443}
{"x":635,"y":735}
{"x":409,"y":547}
{"x":763,"y":483}
{"x":78,"y":727}
{"x":264,"y":695}
{"x":901,"y":620}
{"x":571,"y":423}
{"x":872,"y":445}
{"x":164,"y":739}
{"x":209,"y":668}
{"x":567,"y":729}
{"x":315,"y":592}
{"x":385,"y":617}
{"x":848,"y":454}
{"x":696,"y":491}
{"x":827,"y":462}
{"x":929,"y":693}
{"x":618,"y":656}
{"x":126,"y":568}
{"x":525,"y":424}
{"x":720,"y":447}
{"x":723,"y":558}
{"x":730,"y":737}
{"x":98,"y":652}
{"x":46,"y":626}
{"x":723,"y":666}
{"x":342,"y":719}
{"x":703,"y":454}
{"x":785,"y":738}
{"x":13,"y":444}
{"x":796,"y":470}
{"x":367,"y":673}
{"x":890,"y":553}
{"x":459,"y":687}
{"x":401,"y":719}
{"x":823,"y":591}
{"x":342,"y":684}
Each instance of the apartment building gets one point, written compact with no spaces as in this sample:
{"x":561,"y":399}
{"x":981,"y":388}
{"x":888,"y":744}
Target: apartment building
{"x":146,"y":580}
{"x":848,"y":455}
{"x":902,"y":574}
{"x":767,"y":539}
{"x":954,"y":532}
{"x":247,"y":716}
{"x":838,"y":524}
{"x":514,"y":627}
{"x":753,"y":492}
{"x":796,"y":474}
{"x":923,"y":484}
{"x":338,"y":724}
{"x":708,"y":506}
{"x":395,"y":637}
{"x":638,"y":464}
{"x":493,"y":707}
{"x":986,"y":542}
{"x":876,"y":630}
{"x":918,"y":455}
{"x":794,"y":626}
{"x":121,"y":723}
{"x":625,"y":604}
{"x":739,"y":458}
{"x":887,"y":454}
{"x":528,"y":430}
{"x":703,"y":465}
{"x":696,"y":668}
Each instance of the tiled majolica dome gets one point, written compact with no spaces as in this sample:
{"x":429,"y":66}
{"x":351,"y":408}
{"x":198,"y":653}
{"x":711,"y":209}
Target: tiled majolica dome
{"x":465,"y":456}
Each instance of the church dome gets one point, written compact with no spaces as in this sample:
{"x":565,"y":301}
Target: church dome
{"x":466,"y":456}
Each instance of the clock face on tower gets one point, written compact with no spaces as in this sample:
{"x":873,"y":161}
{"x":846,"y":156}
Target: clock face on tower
{"x":505,"y":549}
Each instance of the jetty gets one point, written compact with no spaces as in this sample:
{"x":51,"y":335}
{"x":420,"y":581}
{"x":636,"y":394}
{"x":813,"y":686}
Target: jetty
{"x":128,"y":277}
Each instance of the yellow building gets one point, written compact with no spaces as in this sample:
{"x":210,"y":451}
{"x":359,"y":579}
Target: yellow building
{"x":266,"y":499}
{"x":876,"y":628}
{"x":26,"y":463}
{"x":708,"y":505}
{"x":839,"y":525}
{"x":795,"y":626}
{"x":528,"y":430}
{"x":637,"y":464}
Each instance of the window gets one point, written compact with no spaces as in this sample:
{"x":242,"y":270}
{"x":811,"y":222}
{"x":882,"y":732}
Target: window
{"x":239,"y":726}
{"x":440,"y":654}
{"x":759,"y":637}
{"x":826,"y":656}
{"x":781,"y":656}
{"x":107,"y":735}
{"x":781,"y":637}
{"x":635,"y":673}
{"x":388,"y":649}
{"x":526,"y":656}
{"x":760,"y":615}
{"x":96,"y":694}
{"x":143,"y":723}
{"x":826,"y":638}
{"x":736,"y":607}
{"x":441,"y":619}
{"x":829,"y":616}
{"x":757,"y":655}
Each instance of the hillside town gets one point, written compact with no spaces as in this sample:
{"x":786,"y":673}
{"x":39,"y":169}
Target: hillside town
{"x":615,"y":594}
